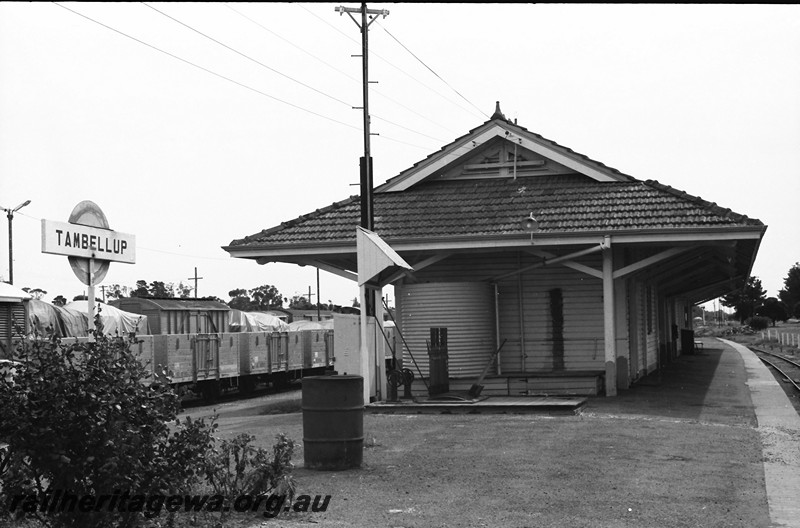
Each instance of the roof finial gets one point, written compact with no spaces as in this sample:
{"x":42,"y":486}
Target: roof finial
{"x":497,"y":113}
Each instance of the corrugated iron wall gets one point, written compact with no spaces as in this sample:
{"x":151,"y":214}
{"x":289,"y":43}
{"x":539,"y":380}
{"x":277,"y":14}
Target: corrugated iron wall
{"x":582,"y":310}
{"x":466,"y":309}
{"x":524,"y":310}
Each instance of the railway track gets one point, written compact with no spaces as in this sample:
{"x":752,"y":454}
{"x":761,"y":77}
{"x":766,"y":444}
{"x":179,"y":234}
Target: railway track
{"x":191,"y":400}
{"x":786,"y":369}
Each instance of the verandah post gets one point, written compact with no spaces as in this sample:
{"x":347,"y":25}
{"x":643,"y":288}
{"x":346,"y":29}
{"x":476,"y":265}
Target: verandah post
{"x":609,"y":327}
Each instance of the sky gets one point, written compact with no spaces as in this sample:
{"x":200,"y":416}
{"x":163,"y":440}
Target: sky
{"x":194,"y":124}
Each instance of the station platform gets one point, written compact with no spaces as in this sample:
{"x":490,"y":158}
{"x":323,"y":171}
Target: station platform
{"x":454,"y":403}
{"x":725,"y":384}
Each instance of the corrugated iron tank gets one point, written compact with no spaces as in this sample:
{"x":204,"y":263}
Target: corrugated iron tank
{"x":466,"y":309}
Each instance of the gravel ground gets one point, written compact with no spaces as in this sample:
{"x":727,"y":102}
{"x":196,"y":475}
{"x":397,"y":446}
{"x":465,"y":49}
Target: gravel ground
{"x":593,"y":470}
{"x":680,"y":450}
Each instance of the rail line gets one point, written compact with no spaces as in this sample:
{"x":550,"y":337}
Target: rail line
{"x":191,"y":400}
{"x":793,"y":374}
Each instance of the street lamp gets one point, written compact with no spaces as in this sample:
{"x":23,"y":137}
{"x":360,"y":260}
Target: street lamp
{"x":10,"y":216}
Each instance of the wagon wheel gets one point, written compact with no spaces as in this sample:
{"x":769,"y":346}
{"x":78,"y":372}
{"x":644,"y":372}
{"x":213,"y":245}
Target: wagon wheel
{"x":409,"y":375}
{"x":395,"y":378}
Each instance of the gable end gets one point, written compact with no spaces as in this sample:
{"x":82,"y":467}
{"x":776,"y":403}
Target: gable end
{"x":488,"y":151}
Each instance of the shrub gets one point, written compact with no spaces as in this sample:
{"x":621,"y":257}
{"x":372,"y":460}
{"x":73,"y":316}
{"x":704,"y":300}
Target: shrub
{"x":237,"y":468}
{"x":759,"y":323}
{"x":80,"y":418}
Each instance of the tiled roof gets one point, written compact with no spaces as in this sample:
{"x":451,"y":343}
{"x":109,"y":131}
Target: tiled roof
{"x":563,"y":204}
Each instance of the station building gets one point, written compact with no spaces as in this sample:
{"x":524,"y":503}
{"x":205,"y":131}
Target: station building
{"x":583,"y":277}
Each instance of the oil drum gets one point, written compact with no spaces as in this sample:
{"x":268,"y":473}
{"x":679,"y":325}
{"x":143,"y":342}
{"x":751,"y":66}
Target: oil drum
{"x":333,"y":422}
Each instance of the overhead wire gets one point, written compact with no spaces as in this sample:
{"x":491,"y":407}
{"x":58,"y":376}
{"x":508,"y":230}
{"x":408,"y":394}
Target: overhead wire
{"x":373,"y":53}
{"x":431,"y":70}
{"x":190,"y":63}
{"x":248,"y":57}
{"x":242,"y":85}
{"x":378,"y":92}
{"x":226,"y":78}
{"x":299,"y":48}
{"x":290,"y":77}
{"x":138,"y":247}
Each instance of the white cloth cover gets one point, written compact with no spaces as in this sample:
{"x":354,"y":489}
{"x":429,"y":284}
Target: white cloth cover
{"x":255,"y":322}
{"x":326,"y":324}
{"x":115,"y":321}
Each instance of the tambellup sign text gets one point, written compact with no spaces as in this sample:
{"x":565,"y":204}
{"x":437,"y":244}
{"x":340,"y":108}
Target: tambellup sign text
{"x":75,"y":240}
{"x":90,"y":245}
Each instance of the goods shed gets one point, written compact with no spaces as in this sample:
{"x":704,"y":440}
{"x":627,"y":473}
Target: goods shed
{"x":178,"y":316}
{"x":583,"y":274}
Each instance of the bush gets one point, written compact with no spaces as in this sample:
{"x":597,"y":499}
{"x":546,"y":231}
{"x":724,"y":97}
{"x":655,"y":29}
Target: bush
{"x":237,"y":468}
{"x":759,"y":323}
{"x":82,"y":419}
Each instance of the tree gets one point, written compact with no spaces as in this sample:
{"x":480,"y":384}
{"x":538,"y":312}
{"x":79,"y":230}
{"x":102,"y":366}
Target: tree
{"x":266,"y":297}
{"x":154,"y":289}
{"x":774,"y":309}
{"x":212,"y":298}
{"x":299,"y":302}
{"x":141,"y":289}
{"x":59,"y":300}
{"x":239,"y":300}
{"x":184,"y":291}
{"x":116,"y":291}
{"x":263,"y":298}
{"x":790,"y":294}
{"x":78,"y":418}
{"x":161,"y":290}
{"x":746,"y":300}
{"x":36,"y":293}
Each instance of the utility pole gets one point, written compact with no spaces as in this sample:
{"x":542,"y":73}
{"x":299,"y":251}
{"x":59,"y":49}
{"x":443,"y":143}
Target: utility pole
{"x":195,"y":279}
{"x":367,"y":212}
{"x":367,"y":294}
{"x":319,"y":318}
{"x":310,"y":295}
{"x":10,"y":216}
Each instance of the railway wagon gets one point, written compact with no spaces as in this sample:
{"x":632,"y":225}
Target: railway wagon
{"x":197,"y":345}
{"x":213,"y":363}
{"x":310,"y":348}
{"x":217,"y":362}
{"x":263,"y":357}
